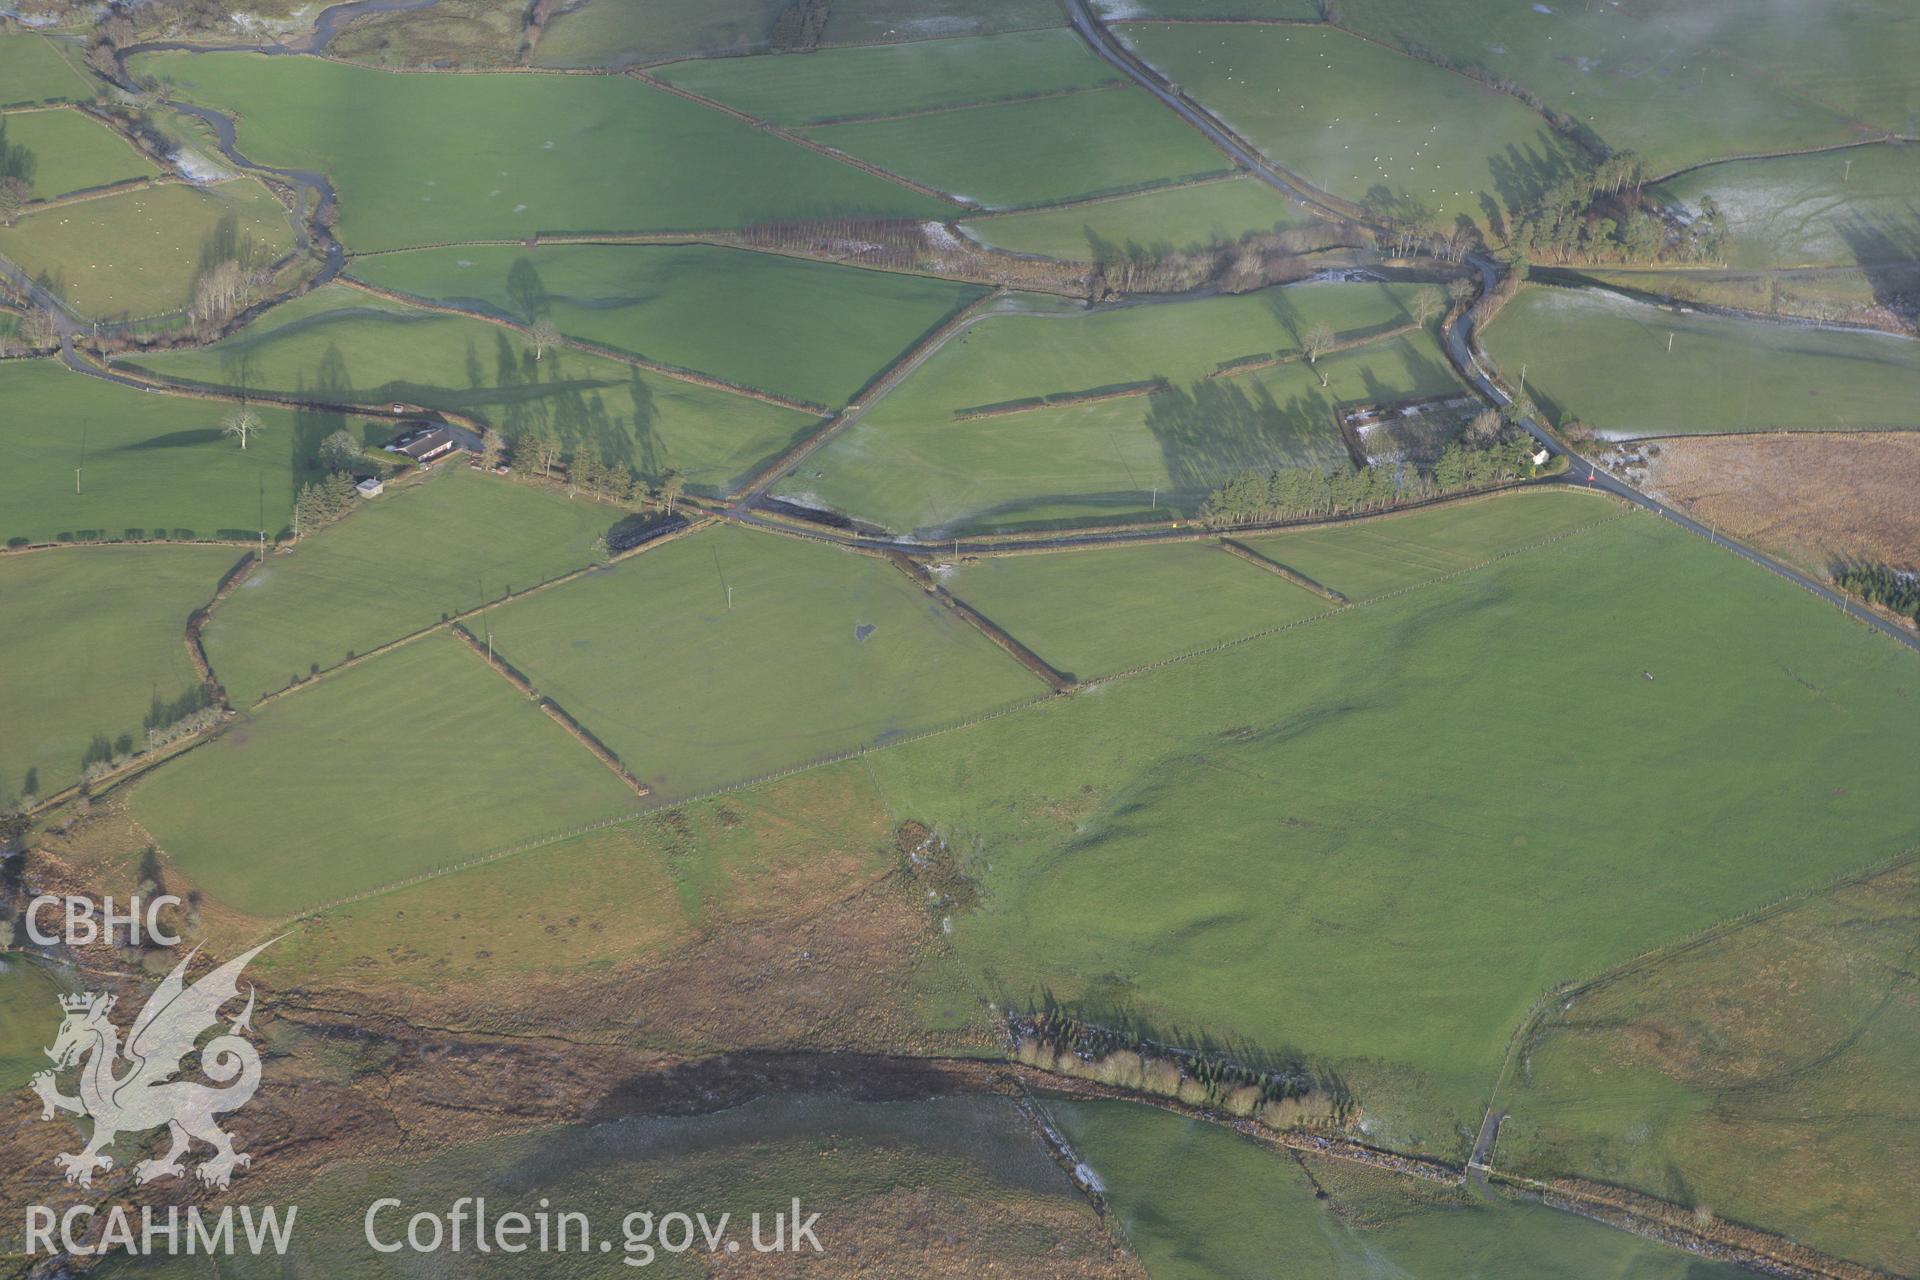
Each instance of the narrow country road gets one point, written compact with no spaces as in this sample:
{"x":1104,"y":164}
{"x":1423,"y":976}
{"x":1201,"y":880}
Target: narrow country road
{"x":1460,"y":344}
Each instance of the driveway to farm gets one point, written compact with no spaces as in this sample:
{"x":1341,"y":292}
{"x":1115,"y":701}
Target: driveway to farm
{"x":1460,"y":338}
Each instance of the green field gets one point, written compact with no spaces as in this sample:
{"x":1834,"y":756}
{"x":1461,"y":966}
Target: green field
{"x":661,"y":882}
{"x":72,"y":152}
{"x":28,"y":1017}
{"x":343,"y":344}
{"x":1096,"y":612}
{"x":893,"y":79}
{"x":396,"y":565}
{"x":802,"y":329}
{"x":1355,"y":119}
{"x":1688,"y":80}
{"x":622,"y":32}
{"x":151,"y":464}
{"x":616,"y":33}
{"x":1604,"y":360}
{"x":1825,"y":294}
{"x":447,"y":762}
{"x":1767,"y":1075}
{"x":1151,"y":222}
{"x":1845,"y":208}
{"x":36,"y":69}
{"x":911,"y":465}
{"x":822,"y":651}
{"x":1372,"y":557}
{"x":1201,"y":1203}
{"x":428,"y":159}
{"x":1268,"y":10}
{"x":1036,"y":350}
{"x":1019,"y":153}
{"x":949,"y":1186}
{"x":1431,"y":807}
{"x":92,"y":635}
{"x":137,"y":254}
{"x":869,"y":21}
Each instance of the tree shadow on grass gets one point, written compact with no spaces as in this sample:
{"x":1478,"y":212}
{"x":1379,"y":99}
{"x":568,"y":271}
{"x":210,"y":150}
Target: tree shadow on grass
{"x":1217,"y":429}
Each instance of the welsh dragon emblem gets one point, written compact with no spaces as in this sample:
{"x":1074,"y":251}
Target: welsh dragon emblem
{"x":131,"y":1089}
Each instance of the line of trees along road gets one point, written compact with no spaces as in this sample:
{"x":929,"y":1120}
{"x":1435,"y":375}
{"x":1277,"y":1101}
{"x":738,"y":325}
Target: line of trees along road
{"x":1289,"y":493}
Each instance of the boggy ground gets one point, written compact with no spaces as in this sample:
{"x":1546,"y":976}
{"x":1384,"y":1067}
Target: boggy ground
{"x":1810,"y":499}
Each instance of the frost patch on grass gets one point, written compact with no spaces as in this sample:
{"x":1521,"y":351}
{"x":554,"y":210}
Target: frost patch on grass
{"x":198,"y":167}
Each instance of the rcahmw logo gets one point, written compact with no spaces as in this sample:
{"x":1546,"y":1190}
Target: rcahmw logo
{"x":145,"y":1095}
{"x":130,"y":1089}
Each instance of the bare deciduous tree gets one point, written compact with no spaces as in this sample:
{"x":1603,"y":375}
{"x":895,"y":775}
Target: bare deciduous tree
{"x":672,"y":485}
{"x":241,"y":423}
{"x":493,"y":448}
{"x":545,"y":334}
{"x":1316,"y":342}
{"x":1427,"y":303}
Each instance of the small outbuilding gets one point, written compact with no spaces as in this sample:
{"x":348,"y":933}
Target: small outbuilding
{"x":371,"y":487}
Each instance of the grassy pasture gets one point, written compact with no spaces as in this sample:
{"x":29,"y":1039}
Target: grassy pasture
{"x":154,"y":464}
{"x":91,"y":636}
{"x":1603,"y":359}
{"x":870,"y":21}
{"x":1687,"y":81}
{"x":1007,"y":155}
{"x":393,"y":567}
{"x":1096,"y":612}
{"x":1353,"y":118}
{"x":910,"y":465}
{"x":1178,"y":218}
{"x":417,"y":759}
{"x":1201,"y":1203}
{"x":72,"y":151}
{"x":891,"y":79}
{"x":803,"y":329}
{"x":1270,"y":10}
{"x":623,"y":32}
{"x":661,"y":880}
{"x":36,"y":69}
{"x":985,"y":1197}
{"x":1832,"y":293}
{"x":822,"y":651}
{"x":617,"y":33}
{"x":1432,"y":807}
{"x":28,"y":1016}
{"x":1025,"y":352}
{"x":1846,"y":208}
{"x":137,"y":253}
{"x":1767,"y":1075}
{"x":344,"y":345}
{"x":428,"y":159}
{"x":1375,"y":556}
